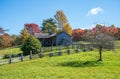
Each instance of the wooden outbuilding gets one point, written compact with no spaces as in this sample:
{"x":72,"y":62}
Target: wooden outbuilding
{"x":61,"y":38}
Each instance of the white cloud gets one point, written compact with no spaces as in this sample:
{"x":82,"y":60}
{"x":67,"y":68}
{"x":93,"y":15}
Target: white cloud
{"x":95,"y":11}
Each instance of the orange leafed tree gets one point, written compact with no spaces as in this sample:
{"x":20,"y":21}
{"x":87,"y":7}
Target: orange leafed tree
{"x":7,"y":39}
{"x":62,"y":22}
{"x":67,"y":29}
{"x":24,"y":35}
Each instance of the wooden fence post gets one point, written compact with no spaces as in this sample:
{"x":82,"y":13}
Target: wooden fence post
{"x":30,"y":55}
{"x":21,"y":57}
{"x":60,"y":53}
{"x":40,"y":50}
{"x":51,"y":54}
{"x":10,"y":59}
{"x":68,"y":51}
{"x":41,"y":55}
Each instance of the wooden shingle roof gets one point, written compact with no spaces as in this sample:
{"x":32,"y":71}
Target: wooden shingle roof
{"x":44,"y":35}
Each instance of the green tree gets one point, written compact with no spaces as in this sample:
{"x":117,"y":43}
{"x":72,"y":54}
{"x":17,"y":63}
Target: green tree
{"x":113,"y":26}
{"x":31,"y":44}
{"x":16,"y":40}
{"x":24,"y":35}
{"x":49,"y":26}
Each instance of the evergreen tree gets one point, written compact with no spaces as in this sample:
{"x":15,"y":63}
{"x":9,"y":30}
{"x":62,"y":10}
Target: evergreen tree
{"x":31,"y":44}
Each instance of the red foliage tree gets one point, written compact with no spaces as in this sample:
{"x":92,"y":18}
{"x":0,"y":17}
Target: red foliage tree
{"x":32,"y":28}
{"x":112,"y":31}
{"x":7,"y":39}
{"x":77,"y":34}
{"x":105,"y":29}
{"x":117,"y":35}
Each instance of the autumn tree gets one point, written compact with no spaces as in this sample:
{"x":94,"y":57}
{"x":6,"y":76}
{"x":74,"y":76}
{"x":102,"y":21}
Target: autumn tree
{"x":1,"y":39}
{"x":77,"y":34}
{"x":24,"y":35}
{"x":7,"y":40}
{"x":32,"y":28}
{"x":2,"y":43}
{"x":103,"y":41}
{"x":61,"y":19}
{"x":62,"y":22}
{"x":67,"y":29}
{"x":49,"y":26}
{"x":110,"y":30}
{"x":13,"y":39}
{"x":102,"y":37}
{"x":16,"y":40}
{"x":117,"y":35}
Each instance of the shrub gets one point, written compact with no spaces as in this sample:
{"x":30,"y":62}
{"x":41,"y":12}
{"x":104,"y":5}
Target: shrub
{"x":51,"y":54}
{"x":41,"y":55}
{"x":12,"y":55}
{"x":31,"y":44}
{"x":60,"y":53}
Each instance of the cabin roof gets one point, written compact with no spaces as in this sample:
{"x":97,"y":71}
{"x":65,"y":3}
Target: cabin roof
{"x":64,"y":32}
{"x":44,"y":35}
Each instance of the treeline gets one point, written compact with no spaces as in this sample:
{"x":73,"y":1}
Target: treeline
{"x":87,"y":34}
{"x":50,"y":26}
{"x":55,"y":25}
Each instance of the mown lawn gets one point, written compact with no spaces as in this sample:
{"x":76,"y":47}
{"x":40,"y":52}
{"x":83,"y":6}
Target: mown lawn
{"x":17,"y":50}
{"x":82,"y":65}
{"x":12,"y":50}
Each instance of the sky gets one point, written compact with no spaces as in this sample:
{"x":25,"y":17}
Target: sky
{"x":82,"y":14}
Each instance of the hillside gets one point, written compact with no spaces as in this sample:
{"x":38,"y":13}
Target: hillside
{"x":74,"y":66}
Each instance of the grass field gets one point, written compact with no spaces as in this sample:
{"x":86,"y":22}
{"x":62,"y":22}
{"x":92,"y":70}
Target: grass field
{"x":74,"y":66}
{"x":13,"y":50}
{"x":16,"y":50}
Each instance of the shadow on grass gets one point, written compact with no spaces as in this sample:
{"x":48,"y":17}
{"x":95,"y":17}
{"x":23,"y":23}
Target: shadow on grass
{"x":82,"y":63}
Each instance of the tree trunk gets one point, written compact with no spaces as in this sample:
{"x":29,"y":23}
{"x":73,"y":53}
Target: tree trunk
{"x":100,"y":52}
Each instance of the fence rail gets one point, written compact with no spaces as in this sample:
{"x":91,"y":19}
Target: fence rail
{"x":47,"y":52}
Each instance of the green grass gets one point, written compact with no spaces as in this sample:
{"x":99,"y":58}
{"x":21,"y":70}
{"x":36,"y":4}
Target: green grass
{"x":13,"y":50}
{"x":74,"y":66}
{"x":16,"y":50}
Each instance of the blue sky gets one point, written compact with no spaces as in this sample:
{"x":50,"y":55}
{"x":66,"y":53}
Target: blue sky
{"x":80,"y":13}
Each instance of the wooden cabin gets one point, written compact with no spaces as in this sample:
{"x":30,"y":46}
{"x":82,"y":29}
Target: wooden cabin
{"x":61,"y":38}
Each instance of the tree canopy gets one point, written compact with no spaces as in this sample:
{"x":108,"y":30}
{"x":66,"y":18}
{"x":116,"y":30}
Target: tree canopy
{"x":24,"y":35}
{"x":49,"y":26}
{"x":32,"y":28}
{"x":31,"y":44}
{"x":62,"y":22}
